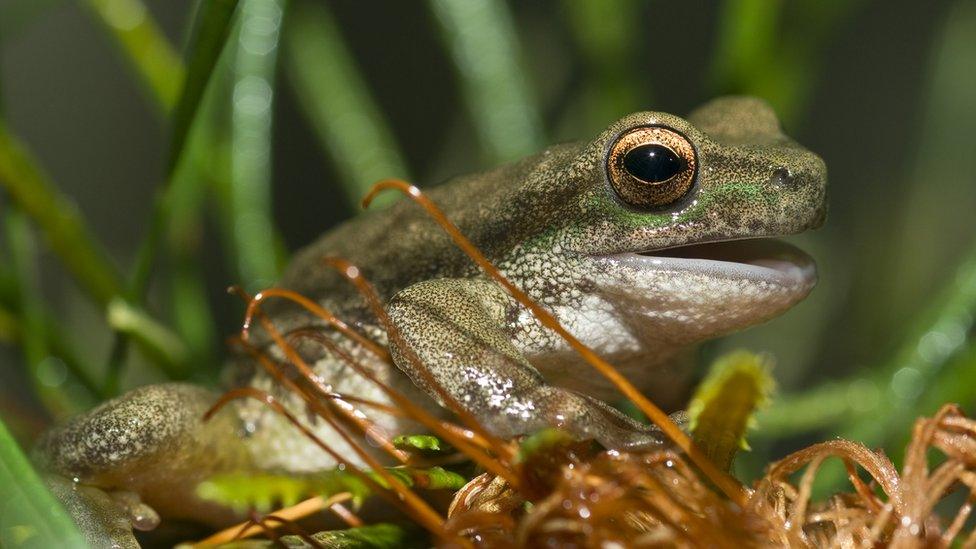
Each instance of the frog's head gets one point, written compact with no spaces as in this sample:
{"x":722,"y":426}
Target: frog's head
{"x":672,"y":218}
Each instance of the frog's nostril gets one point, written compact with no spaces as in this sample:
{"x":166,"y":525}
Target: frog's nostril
{"x":782,"y":177}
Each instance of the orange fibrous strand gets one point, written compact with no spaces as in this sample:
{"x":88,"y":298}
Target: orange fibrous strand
{"x":404,"y":498}
{"x":729,"y":485}
{"x":316,"y":310}
{"x":354,"y":275}
{"x":468,"y":442}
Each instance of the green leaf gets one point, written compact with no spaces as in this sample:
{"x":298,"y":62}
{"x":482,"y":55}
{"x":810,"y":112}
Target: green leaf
{"x":58,"y":219}
{"x":338,"y":104}
{"x":211,"y":28}
{"x":255,"y":58}
{"x":725,"y":403}
{"x":145,"y":46}
{"x":421,"y":444}
{"x":375,"y":536}
{"x":262,"y":492}
{"x":242,"y":492}
{"x":543,"y":441}
{"x":29,"y":514}
{"x":481,"y":37}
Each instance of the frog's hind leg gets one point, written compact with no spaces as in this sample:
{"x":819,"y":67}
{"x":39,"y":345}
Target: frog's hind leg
{"x":152,"y":442}
{"x":455,"y":328}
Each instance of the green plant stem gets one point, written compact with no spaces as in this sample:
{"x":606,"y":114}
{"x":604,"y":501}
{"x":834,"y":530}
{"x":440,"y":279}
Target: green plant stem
{"x":31,"y":515}
{"x":34,"y":344}
{"x":58,"y":220}
{"x":67,"y":234}
{"x":612,"y":87}
{"x":254,"y":75}
{"x":212,"y":25}
{"x":338,"y":103}
{"x":757,"y":53}
{"x":481,"y":37}
{"x":145,"y":46}
{"x":12,"y":332}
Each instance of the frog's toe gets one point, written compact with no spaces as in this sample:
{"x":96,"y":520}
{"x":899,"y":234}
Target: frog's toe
{"x":141,"y":516}
{"x":99,"y":517}
{"x":588,"y":418}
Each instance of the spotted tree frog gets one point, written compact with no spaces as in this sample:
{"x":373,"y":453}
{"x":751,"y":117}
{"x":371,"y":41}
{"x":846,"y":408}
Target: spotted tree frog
{"x":642,"y":242}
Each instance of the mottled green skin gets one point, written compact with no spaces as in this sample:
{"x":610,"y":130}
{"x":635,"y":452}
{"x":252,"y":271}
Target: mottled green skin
{"x":554,"y":226}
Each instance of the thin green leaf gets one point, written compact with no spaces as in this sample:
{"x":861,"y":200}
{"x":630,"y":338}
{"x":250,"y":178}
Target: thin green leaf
{"x":374,"y":536}
{"x":774,"y":49}
{"x":9,"y":327}
{"x":211,"y":29}
{"x":421,"y":444}
{"x":58,"y":220}
{"x":45,"y":371}
{"x":264,"y":491}
{"x":161,"y":344}
{"x":338,"y":103}
{"x":29,"y":514}
{"x":481,"y":37}
{"x":253,"y":234}
{"x":208,"y":39}
{"x":145,"y":46}
{"x":612,"y":88}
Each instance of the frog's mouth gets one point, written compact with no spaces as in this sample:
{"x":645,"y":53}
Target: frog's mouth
{"x":759,"y":259}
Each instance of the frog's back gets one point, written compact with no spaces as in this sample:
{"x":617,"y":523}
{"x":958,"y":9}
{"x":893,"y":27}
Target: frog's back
{"x":401,"y":245}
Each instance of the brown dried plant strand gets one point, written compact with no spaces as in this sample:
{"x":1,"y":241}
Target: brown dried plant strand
{"x":407,"y":501}
{"x":298,"y":511}
{"x":354,"y":275}
{"x":316,"y":310}
{"x":411,"y":499}
{"x":725,"y":482}
{"x":417,"y":413}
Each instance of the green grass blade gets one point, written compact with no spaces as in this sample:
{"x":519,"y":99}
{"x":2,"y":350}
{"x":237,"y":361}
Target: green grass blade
{"x":29,"y":514}
{"x":482,"y":40}
{"x":211,"y":29}
{"x":209,"y":37}
{"x":773,"y":49}
{"x":145,"y":46}
{"x":338,"y":103}
{"x":67,"y":234}
{"x":49,"y":388}
{"x":612,"y":88}
{"x":208,"y":40}
{"x":58,"y":219}
{"x":253,"y":234}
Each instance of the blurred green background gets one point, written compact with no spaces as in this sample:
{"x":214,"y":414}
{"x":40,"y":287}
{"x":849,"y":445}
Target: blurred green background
{"x":126,"y":210}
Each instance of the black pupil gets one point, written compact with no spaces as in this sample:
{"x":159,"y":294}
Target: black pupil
{"x":652,"y":163}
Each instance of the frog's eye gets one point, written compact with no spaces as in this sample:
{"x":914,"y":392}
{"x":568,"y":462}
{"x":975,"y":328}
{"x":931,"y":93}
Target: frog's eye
{"x":651,"y":167}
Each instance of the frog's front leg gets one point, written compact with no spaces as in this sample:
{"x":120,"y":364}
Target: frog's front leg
{"x":455,"y":327}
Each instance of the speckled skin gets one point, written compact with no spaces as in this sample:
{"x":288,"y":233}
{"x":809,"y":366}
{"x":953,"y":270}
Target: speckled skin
{"x":554,"y":226}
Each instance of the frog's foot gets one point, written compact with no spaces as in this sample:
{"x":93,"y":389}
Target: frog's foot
{"x":102,"y":520}
{"x":146,"y":450}
{"x":589,"y":418}
{"x":454,"y":328}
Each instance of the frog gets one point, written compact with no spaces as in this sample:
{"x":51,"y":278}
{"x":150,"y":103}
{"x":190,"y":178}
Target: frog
{"x":657,"y":235}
